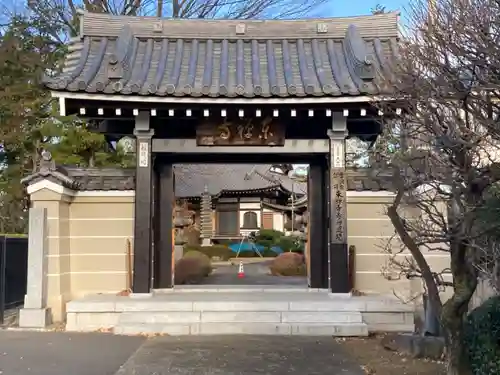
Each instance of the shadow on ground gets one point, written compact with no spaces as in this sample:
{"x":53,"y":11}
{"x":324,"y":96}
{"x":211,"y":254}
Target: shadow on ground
{"x":59,"y":353}
{"x":240,"y":355}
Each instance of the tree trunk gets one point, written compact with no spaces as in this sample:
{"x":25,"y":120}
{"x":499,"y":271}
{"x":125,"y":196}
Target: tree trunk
{"x":457,"y":361}
{"x":456,"y":308}
{"x":427,"y":275}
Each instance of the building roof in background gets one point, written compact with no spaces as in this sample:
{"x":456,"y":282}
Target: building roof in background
{"x":151,"y":56}
{"x":191,"y":179}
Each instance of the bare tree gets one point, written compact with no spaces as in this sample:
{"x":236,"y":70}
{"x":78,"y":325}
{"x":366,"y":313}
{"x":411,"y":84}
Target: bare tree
{"x":447,"y":161}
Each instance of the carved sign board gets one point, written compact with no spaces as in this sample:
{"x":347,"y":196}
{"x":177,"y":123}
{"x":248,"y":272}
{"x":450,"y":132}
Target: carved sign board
{"x":241,"y":133}
{"x":143,"y":154}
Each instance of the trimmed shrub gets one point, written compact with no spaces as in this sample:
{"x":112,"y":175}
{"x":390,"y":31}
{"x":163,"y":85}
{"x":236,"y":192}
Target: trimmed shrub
{"x":290,"y":243}
{"x":269,"y":235}
{"x":482,"y":338}
{"x":288,"y":264}
{"x":189,"y":271}
{"x":205,"y":263}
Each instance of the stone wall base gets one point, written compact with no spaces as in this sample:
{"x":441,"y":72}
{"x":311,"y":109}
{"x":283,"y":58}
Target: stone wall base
{"x":34,"y":318}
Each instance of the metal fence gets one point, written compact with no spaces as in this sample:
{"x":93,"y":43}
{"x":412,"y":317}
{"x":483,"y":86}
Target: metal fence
{"x":13,"y":272}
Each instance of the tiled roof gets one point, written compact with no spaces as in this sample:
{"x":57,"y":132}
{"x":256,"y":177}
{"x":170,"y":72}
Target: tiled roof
{"x":228,"y":58}
{"x":191,"y":179}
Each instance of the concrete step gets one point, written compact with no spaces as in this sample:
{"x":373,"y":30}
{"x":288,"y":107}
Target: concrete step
{"x":291,"y":317}
{"x":304,"y":329}
{"x":240,"y":289}
{"x":186,"y":313}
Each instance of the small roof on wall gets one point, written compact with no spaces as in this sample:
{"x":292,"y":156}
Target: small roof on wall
{"x":230,"y":58}
{"x":191,"y":179}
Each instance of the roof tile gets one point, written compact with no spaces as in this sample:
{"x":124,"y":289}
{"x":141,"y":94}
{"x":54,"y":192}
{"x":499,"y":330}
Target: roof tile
{"x":125,"y":55}
{"x":191,"y":179}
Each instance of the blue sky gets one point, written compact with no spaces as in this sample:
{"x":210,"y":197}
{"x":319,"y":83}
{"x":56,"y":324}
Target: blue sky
{"x":342,"y":8}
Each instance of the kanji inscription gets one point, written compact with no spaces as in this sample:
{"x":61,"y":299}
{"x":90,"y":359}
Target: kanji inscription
{"x":241,"y":133}
{"x":339,"y":210}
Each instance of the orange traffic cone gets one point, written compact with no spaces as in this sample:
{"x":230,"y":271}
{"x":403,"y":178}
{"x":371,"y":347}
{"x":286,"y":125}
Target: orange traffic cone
{"x":241,"y":272}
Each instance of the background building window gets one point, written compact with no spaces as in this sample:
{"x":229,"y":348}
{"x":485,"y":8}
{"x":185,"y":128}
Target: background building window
{"x":250,"y":220}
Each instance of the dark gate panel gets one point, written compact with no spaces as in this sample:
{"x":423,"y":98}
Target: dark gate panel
{"x":13,"y":272}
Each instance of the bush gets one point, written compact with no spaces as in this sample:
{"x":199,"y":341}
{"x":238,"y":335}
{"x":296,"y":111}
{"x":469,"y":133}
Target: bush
{"x":288,"y":264}
{"x":290,"y":243}
{"x":482,"y":338}
{"x":205,"y":263}
{"x":269,"y":235}
{"x":189,"y":271}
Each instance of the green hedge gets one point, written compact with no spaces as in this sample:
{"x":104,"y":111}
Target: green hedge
{"x":482,"y":338}
{"x":13,"y":235}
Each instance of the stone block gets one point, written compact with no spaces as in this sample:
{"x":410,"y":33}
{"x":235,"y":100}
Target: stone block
{"x":384,"y":328}
{"x":140,"y":295}
{"x":321,"y":317}
{"x":153,"y":305}
{"x":90,"y":306}
{"x":415,"y":345}
{"x":327,"y":305}
{"x":166,"y":317}
{"x":100,"y":320}
{"x":287,"y":290}
{"x":240,"y":306}
{"x":244,"y":329}
{"x":340,"y":330}
{"x":385,"y":318}
{"x":71,"y":322}
{"x":240,"y":317}
{"x":34,"y":318}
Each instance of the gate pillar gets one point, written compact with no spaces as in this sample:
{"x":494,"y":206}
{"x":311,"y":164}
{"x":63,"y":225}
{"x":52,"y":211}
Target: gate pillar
{"x":338,"y":250}
{"x":143,"y":240}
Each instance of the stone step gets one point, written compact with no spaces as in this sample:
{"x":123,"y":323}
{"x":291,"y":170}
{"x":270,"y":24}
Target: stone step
{"x":241,"y":289}
{"x":177,"y":329}
{"x":292,"y":317}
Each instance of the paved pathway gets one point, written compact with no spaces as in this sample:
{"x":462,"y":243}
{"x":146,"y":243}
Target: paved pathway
{"x":255,"y":274}
{"x":240,"y":355}
{"x":59,"y":353}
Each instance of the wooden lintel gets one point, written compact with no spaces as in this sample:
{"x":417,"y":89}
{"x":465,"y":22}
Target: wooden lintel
{"x":291,"y":146}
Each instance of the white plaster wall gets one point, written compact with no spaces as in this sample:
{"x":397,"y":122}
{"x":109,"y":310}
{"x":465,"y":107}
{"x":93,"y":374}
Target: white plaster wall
{"x":278,"y":222}
{"x":250,"y":206}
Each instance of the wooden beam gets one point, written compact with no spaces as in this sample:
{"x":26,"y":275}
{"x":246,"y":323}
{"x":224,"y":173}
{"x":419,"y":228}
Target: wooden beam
{"x":292,"y":146}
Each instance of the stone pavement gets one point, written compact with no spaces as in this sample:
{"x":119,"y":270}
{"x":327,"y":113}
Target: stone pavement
{"x":240,"y":355}
{"x":60,"y":353}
